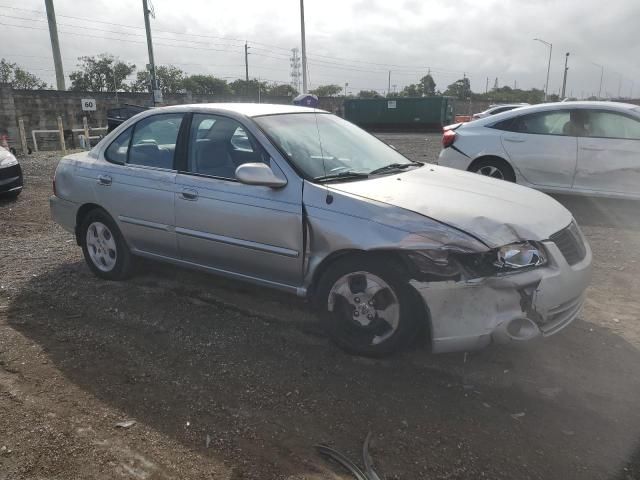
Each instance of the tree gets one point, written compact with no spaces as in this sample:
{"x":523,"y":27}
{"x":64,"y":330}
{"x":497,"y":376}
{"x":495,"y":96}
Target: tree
{"x":282,"y":90}
{"x":18,"y":77}
{"x":426,"y":87}
{"x":507,"y":94}
{"x":368,"y":94}
{"x":460,"y":89}
{"x":102,"y":73}
{"x":241,"y":87}
{"x":170,"y":78}
{"x":327,"y":90}
{"x":206,"y":85}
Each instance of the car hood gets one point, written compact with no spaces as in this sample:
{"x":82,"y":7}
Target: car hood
{"x":494,"y":211}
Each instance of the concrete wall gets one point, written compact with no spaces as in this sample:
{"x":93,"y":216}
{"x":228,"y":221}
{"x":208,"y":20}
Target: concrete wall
{"x":40,"y":109}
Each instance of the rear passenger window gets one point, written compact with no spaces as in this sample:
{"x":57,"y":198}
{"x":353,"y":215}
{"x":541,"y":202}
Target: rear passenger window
{"x":117,"y":151}
{"x":541,"y":123}
{"x":604,"y":124}
{"x":154,"y":141}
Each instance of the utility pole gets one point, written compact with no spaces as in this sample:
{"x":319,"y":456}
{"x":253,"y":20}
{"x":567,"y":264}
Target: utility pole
{"x":619,"y":85}
{"x":304,"y":48}
{"x":389,"y":84}
{"x":55,"y":44}
{"x":346,"y":84}
{"x":246,"y":69}
{"x":546,"y":86}
{"x":152,"y":65}
{"x":564,"y":79}
{"x":486,"y":87}
{"x":246,"y":62}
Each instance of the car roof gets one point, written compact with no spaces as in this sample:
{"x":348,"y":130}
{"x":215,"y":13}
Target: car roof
{"x":498,"y":105}
{"x":542,"y":107}
{"x":246,"y":109}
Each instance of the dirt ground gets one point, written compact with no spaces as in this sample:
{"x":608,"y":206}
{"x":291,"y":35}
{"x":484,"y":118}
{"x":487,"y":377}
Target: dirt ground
{"x":229,"y":381}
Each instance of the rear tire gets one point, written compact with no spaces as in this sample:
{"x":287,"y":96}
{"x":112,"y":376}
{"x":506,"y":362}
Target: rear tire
{"x":494,"y":168}
{"x":103,"y":246}
{"x":368,"y":307}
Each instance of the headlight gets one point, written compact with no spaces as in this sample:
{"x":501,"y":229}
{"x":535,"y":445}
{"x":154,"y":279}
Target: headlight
{"x":8,"y":161}
{"x":520,"y":255}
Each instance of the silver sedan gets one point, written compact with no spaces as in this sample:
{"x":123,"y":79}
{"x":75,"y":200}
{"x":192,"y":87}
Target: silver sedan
{"x":300,"y":200}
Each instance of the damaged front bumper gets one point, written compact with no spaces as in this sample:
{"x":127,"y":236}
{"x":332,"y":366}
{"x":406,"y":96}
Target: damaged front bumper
{"x":468,"y":315}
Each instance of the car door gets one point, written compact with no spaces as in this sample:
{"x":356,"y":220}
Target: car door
{"x":248,"y":231}
{"x":538,"y":147}
{"x":609,"y":155}
{"x":137,"y":185}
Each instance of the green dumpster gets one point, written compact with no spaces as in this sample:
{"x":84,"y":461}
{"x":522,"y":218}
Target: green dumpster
{"x":400,"y":113}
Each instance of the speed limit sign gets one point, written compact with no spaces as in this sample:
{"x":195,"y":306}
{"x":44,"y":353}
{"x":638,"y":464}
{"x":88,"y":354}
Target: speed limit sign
{"x":88,"y":104}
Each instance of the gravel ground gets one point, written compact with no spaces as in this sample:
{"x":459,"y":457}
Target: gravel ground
{"x":229,"y":381}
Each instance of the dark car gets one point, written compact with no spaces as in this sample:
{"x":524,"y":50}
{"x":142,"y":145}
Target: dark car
{"x":10,"y":174}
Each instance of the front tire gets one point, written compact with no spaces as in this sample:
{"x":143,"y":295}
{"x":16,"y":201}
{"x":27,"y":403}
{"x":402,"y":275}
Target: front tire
{"x":103,"y":246}
{"x":368,"y":307}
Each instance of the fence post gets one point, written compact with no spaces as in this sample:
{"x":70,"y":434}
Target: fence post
{"x":61,"y":131}
{"x":23,"y":137}
{"x":87,"y":142}
{"x":35,"y":142}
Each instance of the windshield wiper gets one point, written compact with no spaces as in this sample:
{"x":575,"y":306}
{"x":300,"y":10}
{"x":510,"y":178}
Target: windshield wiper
{"x":395,"y":166}
{"x":341,"y":176}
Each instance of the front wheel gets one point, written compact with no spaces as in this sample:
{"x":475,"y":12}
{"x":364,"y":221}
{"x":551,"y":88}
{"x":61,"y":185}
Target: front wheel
{"x":104,"y":248}
{"x":368,"y":307}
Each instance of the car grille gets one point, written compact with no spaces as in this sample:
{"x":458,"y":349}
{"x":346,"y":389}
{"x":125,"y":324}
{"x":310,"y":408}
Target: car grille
{"x":570,"y":243}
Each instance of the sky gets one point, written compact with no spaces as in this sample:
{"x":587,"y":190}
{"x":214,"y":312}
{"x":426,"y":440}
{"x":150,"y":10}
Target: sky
{"x":348,"y":41}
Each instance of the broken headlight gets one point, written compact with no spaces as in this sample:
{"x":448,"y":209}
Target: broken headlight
{"x":516,"y":256}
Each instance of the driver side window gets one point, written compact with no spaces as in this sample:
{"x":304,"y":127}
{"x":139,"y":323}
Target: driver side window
{"x":218,"y":145}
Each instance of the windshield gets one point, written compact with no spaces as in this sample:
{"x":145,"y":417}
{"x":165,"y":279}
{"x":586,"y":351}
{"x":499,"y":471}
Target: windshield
{"x":322,"y":145}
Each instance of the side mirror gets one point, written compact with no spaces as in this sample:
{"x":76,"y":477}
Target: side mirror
{"x":259,"y":174}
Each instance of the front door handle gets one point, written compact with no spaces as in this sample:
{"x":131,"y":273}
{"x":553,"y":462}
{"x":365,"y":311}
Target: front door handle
{"x":189,"y":194}
{"x":104,"y":180}
{"x":514,"y":139}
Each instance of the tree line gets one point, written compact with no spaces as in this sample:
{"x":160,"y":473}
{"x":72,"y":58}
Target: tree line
{"x":107,"y":73}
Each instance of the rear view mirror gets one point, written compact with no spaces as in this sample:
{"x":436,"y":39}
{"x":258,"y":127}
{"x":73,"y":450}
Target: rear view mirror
{"x":259,"y":174}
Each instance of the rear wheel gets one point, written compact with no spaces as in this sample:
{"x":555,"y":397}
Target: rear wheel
{"x":368,"y":307}
{"x":494,"y":168}
{"x":103,"y":246}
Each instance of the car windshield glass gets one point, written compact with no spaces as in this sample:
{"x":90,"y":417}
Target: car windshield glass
{"x":323,"y":146}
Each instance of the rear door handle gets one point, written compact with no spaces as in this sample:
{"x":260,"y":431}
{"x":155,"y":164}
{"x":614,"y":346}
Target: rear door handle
{"x":514,"y":139}
{"x":189,"y":194}
{"x":104,"y":180}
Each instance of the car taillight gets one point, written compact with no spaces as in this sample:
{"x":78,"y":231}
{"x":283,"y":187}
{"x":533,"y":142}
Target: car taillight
{"x":448,"y":137}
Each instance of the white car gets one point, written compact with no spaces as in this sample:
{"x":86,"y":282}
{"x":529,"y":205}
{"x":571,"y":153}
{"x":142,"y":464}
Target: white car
{"x":588,"y":148}
{"x":495,"y":109}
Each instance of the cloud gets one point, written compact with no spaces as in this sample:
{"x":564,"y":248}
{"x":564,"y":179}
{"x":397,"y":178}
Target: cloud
{"x":355,"y":41}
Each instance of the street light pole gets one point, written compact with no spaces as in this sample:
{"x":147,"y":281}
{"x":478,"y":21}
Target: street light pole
{"x":601,"y":76}
{"x":546,"y":86}
{"x":304,"y":48}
